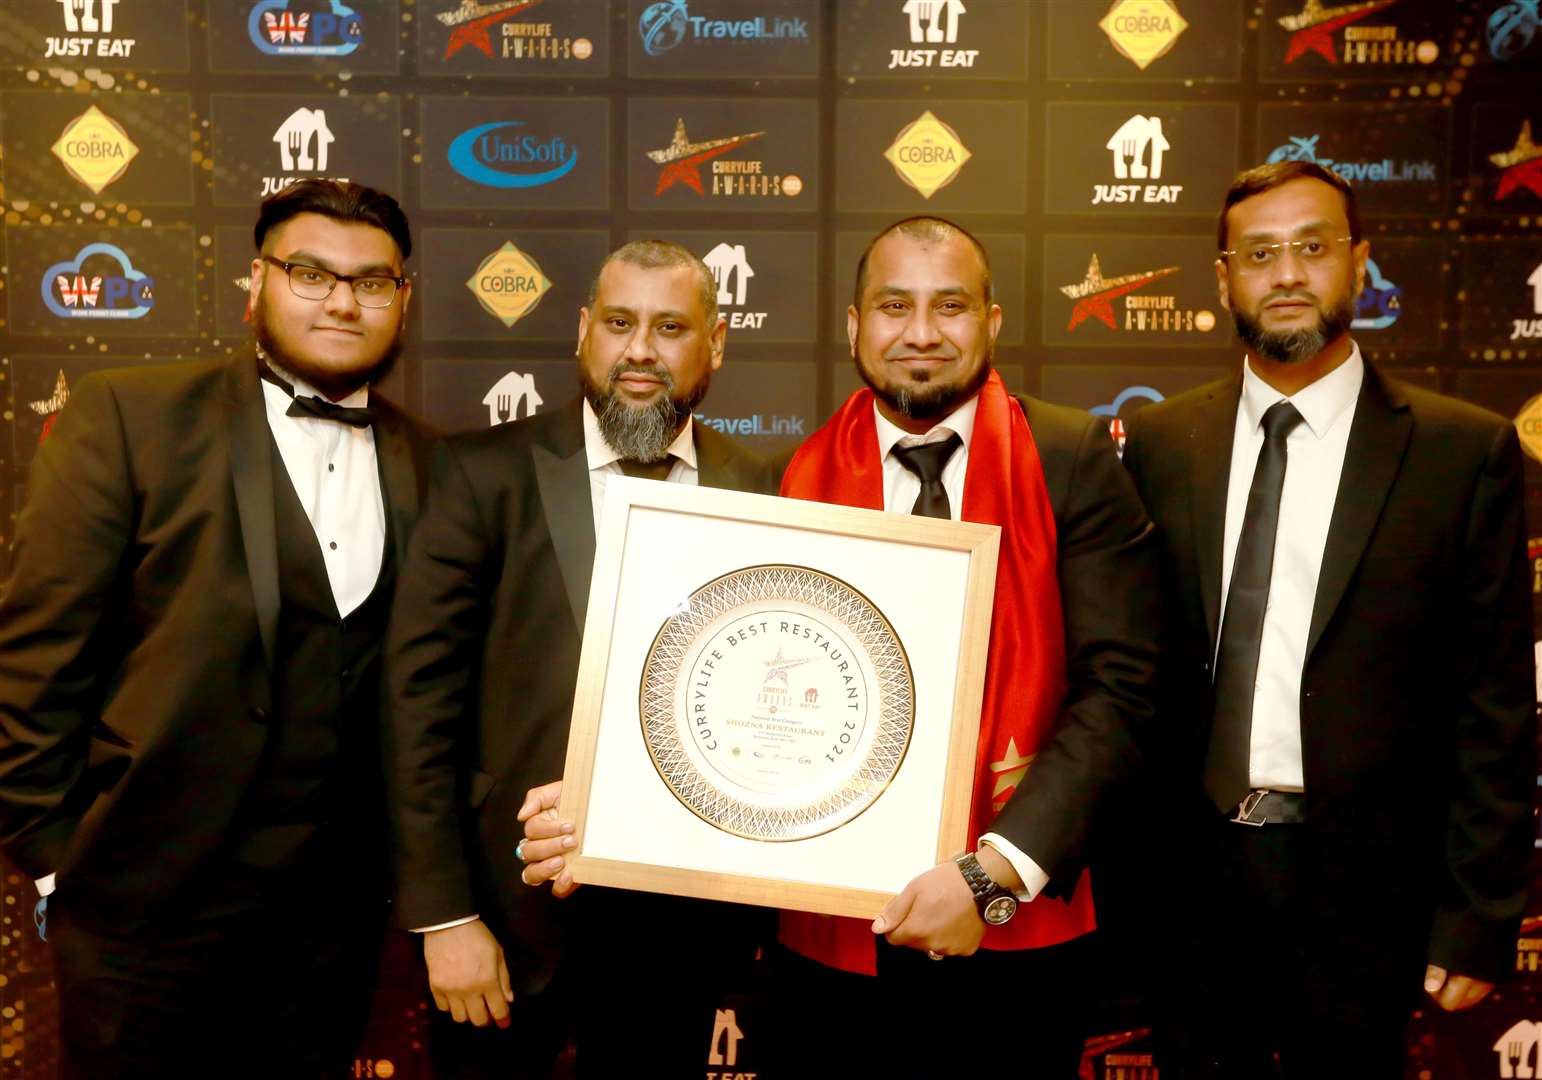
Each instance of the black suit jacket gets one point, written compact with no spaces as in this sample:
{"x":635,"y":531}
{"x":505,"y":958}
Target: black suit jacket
{"x":1417,"y":697}
{"x":137,"y":628}
{"x":482,"y":659}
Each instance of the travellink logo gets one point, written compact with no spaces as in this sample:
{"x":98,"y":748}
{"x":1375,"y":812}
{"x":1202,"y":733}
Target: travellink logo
{"x":1387,"y":170}
{"x":495,"y":156}
{"x":667,"y":23}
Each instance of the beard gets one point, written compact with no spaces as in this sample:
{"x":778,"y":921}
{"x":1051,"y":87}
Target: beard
{"x":1294,"y":346}
{"x":327,"y":379}
{"x":923,"y":397}
{"x":641,"y":433}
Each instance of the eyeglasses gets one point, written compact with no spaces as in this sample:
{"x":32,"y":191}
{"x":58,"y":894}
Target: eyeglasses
{"x":1255,"y":258}
{"x":314,"y":283}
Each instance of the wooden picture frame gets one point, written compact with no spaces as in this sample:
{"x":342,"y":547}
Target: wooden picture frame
{"x":748,"y":810}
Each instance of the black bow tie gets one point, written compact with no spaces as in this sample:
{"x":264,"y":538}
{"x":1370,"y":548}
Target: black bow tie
{"x":315,"y":407}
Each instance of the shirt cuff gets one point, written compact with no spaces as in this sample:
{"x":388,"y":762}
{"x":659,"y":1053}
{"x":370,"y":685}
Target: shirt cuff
{"x":1034,"y":878}
{"x":45,"y":884}
{"x":444,"y":925}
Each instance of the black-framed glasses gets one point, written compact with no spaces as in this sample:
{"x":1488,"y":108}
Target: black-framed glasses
{"x":314,"y":283}
{"x":1254,"y":258}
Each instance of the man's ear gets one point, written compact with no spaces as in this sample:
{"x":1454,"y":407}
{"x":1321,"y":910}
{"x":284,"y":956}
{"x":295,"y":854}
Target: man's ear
{"x":1223,"y":282}
{"x":583,"y":330}
{"x":853,"y":323}
{"x":717,"y":341}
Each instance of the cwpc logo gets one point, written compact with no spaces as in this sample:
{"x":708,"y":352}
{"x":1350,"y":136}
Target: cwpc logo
{"x":1113,"y":409}
{"x":277,"y":31}
{"x":73,"y":290}
{"x":1387,"y":170}
{"x":669,"y":23}
{"x":1380,"y":303}
{"x":499,"y":155}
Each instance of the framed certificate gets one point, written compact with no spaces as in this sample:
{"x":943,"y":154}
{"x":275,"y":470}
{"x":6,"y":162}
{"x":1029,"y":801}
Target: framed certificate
{"x":778,"y":701}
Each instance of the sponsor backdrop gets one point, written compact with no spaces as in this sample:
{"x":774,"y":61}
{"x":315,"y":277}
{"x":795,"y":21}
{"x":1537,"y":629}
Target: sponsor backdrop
{"x":1087,"y":141}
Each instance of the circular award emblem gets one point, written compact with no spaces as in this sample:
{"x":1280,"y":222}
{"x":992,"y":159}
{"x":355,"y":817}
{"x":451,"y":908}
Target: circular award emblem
{"x":777,"y":703}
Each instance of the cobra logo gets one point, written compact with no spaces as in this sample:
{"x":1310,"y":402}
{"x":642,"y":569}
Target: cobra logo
{"x":71,"y":291}
{"x":497,"y":155}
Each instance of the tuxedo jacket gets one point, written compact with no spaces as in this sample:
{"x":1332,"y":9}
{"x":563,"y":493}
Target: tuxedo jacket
{"x":1417,"y":696}
{"x":138,"y":626}
{"x":481,"y":665}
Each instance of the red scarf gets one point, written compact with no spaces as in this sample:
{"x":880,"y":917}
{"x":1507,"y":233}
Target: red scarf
{"x":1025,"y":666}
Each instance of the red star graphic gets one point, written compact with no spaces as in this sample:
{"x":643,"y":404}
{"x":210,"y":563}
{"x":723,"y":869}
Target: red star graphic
{"x":1528,"y":174}
{"x":476,"y":32}
{"x":1100,"y":305}
{"x":1319,"y":38}
{"x":685,"y":170}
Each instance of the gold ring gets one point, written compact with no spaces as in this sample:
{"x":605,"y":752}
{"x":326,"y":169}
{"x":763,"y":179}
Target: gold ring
{"x":933,"y":954}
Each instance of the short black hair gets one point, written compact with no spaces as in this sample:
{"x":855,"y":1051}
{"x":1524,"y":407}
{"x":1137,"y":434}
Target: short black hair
{"x":662,"y":255}
{"x":924,"y":229}
{"x":340,"y":200}
{"x":1262,"y":178}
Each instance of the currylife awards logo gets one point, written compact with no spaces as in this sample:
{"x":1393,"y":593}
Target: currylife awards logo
{"x":933,"y":23}
{"x":277,"y":31}
{"x":1137,"y":149}
{"x":927,"y":154}
{"x":474,"y":23}
{"x":512,"y":397}
{"x":1521,"y":165}
{"x":1313,"y":30}
{"x":1385,"y":171}
{"x":504,"y":155}
{"x":669,"y":23}
{"x":1143,"y":30}
{"x":87,"y":30}
{"x":732,"y":271}
{"x":75,"y":290}
{"x":508,"y":284}
{"x":1095,"y":296}
{"x":95,"y":149}
{"x":303,"y":140}
{"x":682,"y":159}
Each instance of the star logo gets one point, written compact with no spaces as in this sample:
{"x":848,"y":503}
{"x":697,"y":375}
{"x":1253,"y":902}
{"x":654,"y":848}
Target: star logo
{"x":49,"y":407}
{"x":1009,"y":771}
{"x":927,"y":154}
{"x":95,"y":149}
{"x":472,"y":23}
{"x":1522,"y":165}
{"x":1314,"y":26}
{"x":682,"y":158}
{"x":1094,"y":294}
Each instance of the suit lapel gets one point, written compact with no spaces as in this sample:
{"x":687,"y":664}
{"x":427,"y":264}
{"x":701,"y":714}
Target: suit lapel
{"x":718,"y":462}
{"x":397,"y":472}
{"x":562,"y":475}
{"x":1210,"y":443}
{"x":1377,"y":442}
{"x":251,"y":471}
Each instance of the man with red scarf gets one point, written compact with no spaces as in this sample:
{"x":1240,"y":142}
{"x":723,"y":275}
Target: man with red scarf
{"x":981,"y":961}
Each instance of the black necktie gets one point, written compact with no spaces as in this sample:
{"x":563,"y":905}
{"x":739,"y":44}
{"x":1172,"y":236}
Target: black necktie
{"x":1236,"y":661}
{"x":316,"y":407}
{"x":927,"y":461}
{"x":652,"y":470}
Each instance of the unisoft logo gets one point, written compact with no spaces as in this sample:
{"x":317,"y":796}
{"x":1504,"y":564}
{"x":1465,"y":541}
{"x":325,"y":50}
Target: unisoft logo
{"x":503,"y":155}
{"x":669,"y":23}
{"x":86,"y":26}
{"x":95,"y":149}
{"x":278,"y":31}
{"x":74,"y":290}
{"x":1385,"y":171}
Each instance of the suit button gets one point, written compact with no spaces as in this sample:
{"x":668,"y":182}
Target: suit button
{"x":260,"y":715}
{"x":1309,"y":693}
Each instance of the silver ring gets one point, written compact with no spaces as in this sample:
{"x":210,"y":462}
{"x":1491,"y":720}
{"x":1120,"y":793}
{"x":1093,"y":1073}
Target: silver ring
{"x":519,"y":849}
{"x":933,"y":954}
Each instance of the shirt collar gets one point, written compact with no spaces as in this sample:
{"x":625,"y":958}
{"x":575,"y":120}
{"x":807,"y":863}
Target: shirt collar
{"x":357,"y":400}
{"x":1320,"y":404}
{"x":600,"y":453}
{"x":959,"y":422}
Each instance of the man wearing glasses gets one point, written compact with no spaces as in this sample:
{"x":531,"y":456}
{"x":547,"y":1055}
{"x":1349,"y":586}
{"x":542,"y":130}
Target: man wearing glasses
{"x":1350,"y":665}
{"x":191,"y":635}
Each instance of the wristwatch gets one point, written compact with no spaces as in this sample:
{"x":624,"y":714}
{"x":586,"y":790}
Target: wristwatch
{"x":997,"y":905}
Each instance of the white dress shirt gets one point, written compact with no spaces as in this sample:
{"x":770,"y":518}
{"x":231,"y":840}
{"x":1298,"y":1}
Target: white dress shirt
{"x":1314,"y":464}
{"x":604,"y":463}
{"x":900,"y":488}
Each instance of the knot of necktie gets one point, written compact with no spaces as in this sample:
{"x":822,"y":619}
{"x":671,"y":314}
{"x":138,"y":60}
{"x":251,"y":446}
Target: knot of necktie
{"x":927,"y":461}
{"x":650,"y":470}
{"x":1280,"y":420}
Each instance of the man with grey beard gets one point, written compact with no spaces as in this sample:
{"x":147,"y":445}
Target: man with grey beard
{"x":1350,"y":670}
{"x":482,"y":659}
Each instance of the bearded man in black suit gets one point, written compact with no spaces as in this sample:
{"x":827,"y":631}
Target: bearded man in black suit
{"x":191,"y":635}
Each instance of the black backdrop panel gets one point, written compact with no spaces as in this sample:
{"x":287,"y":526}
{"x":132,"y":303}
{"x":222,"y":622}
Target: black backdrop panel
{"x":101,"y":283}
{"x":1502,"y":298}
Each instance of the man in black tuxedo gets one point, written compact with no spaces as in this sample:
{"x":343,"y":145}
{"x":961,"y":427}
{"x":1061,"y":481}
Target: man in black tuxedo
{"x":188,"y":698}
{"x":481,"y":666}
{"x":1351,"y":658}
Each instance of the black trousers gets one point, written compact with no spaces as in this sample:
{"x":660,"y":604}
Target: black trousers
{"x":1022,"y":1014}
{"x":255,"y":976}
{"x":1285,"y":975}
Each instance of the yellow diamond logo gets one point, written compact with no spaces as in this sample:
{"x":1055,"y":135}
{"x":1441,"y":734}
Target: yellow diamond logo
{"x":927,"y":154}
{"x":95,"y":149}
{"x":1529,"y":426}
{"x":1143,"y":30}
{"x":509,"y":284}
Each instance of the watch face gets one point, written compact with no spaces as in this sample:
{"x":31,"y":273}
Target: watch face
{"x":1000,"y":910}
